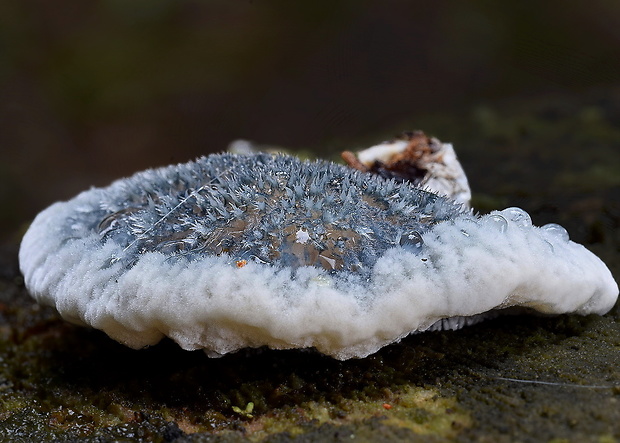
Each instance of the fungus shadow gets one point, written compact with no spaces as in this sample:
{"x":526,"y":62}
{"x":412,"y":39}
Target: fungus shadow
{"x":103,"y":371}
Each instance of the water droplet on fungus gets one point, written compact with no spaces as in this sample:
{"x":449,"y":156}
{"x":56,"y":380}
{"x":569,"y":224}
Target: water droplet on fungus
{"x":412,"y":242}
{"x":556,"y":231}
{"x":496,"y":221}
{"x":518,"y":216}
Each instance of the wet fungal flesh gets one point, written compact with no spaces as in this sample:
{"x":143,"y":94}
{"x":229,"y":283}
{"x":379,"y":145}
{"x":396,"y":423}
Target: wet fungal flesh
{"x":234,"y":251}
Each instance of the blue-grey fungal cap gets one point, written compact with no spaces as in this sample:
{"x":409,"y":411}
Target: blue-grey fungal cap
{"x":233,"y":251}
{"x":274,"y":210}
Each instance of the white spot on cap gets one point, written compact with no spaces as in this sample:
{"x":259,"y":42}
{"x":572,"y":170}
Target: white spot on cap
{"x":302,"y":237}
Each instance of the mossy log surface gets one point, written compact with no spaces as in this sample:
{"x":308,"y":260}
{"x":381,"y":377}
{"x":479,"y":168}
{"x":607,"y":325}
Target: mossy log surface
{"x":520,"y":378}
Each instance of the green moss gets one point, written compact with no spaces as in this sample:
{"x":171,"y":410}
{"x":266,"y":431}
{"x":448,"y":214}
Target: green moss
{"x":420,"y":410}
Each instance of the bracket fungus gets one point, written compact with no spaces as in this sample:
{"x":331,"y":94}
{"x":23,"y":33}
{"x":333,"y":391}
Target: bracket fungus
{"x":233,"y":251}
{"x":422,"y":160}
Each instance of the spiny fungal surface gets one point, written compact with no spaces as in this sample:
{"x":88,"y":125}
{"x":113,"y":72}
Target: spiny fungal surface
{"x":267,"y":209}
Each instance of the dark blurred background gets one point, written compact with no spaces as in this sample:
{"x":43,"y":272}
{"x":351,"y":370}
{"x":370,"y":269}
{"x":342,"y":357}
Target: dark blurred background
{"x":94,"y":90}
